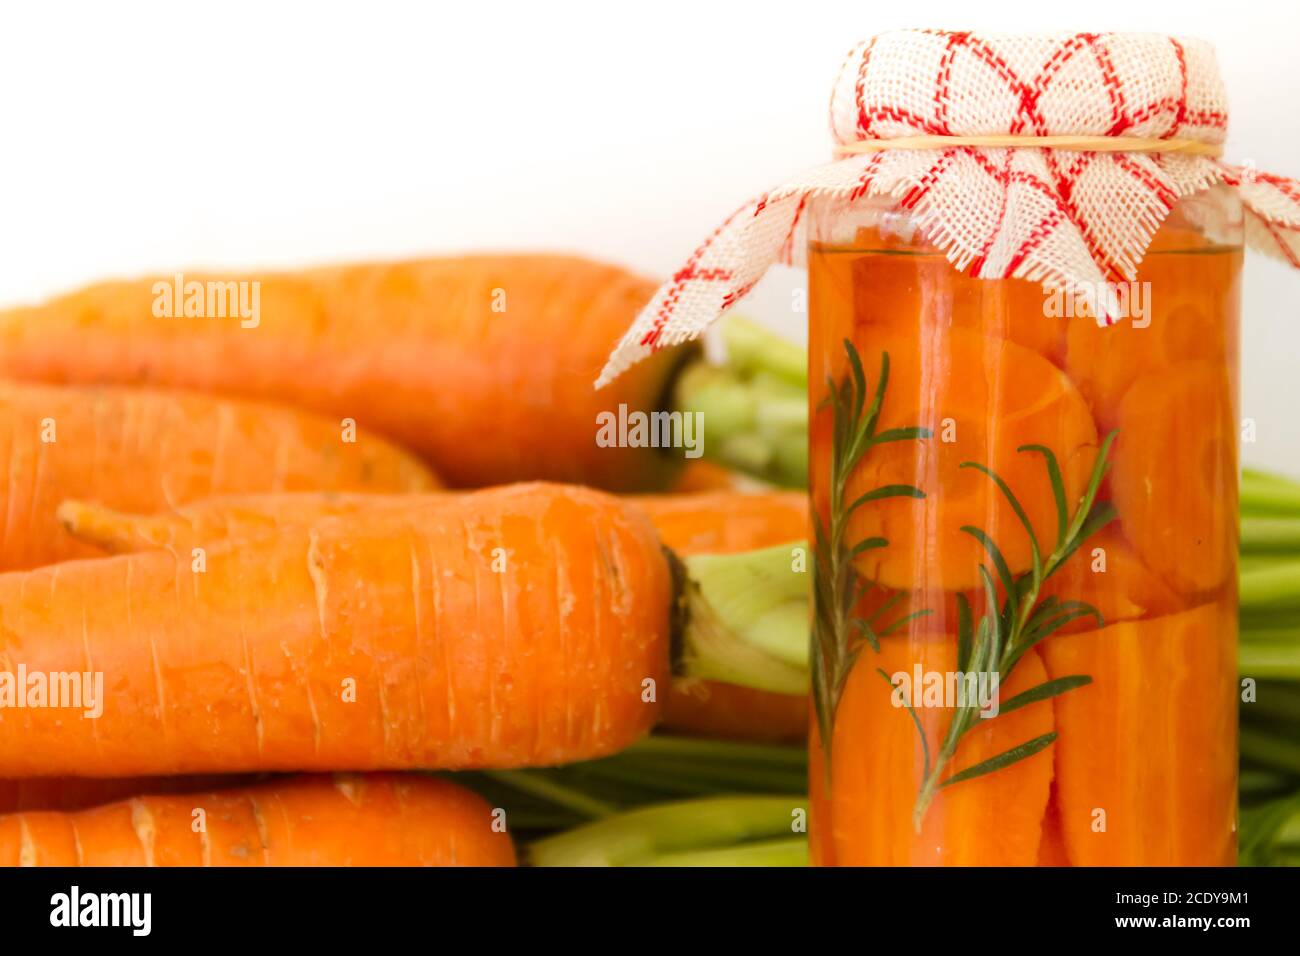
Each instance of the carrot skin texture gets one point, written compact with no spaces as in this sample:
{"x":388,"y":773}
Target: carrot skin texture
{"x":716,"y":522}
{"x":482,"y":364}
{"x":377,"y":820}
{"x":510,"y":627}
{"x":144,"y":450}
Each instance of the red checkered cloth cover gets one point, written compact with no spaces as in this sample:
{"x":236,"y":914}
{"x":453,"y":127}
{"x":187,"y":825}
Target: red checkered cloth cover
{"x":1069,"y":219}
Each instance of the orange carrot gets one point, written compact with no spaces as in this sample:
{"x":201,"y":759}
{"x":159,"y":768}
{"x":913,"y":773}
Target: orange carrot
{"x":515,"y":626}
{"x":380,"y":820}
{"x":144,"y":450}
{"x":482,"y":364}
{"x":78,"y":793}
{"x":915,"y":287}
{"x":1152,"y":740}
{"x":972,"y":417}
{"x":705,"y":523}
{"x":1175,"y":475}
{"x":877,"y":764}
{"x":1051,"y":849}
{"x":1192,"y":317}
{"x":729,"y":523}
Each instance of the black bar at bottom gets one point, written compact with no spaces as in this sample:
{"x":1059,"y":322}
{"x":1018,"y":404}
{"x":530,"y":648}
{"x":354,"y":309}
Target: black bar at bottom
{"x":450,"y":907}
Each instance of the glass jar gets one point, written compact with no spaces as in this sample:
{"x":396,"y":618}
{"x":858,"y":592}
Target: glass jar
{"x":988,"y":695}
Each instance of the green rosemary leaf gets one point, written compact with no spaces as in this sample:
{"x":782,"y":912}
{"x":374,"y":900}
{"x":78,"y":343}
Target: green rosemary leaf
{"x":877,"y":400}
{"x":1004,"y":759}
{"x":1099,"y":469}
{"x":859,"y":380}
{"x":886,"y":605}
{"x":1102,"y":515}
{"x":1052,"y":625}
{"x":991,"y":619}
{"x":1044,"y":691}
{"x":868,"y":632}
{"x":965,"y":632}
{"x":1015,"y":506}
{"x":893,"y":628}
{"x":916,"y":722}
{"x":1058,"y":489}
{"x":902,"y":434}
{"x":999,"y":562}
{"x":885,"y":491}
{"x":867,"y":544}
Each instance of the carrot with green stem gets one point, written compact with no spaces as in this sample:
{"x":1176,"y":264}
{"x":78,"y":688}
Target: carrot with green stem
{"x":520,"y":626}
{"x":145,"y":450}
{"x":728,"y":524}
{"x":378,"y":820}
{"x":482,"y":364}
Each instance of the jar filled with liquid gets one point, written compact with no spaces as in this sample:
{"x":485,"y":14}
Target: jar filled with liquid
{"x":1024,"y":645}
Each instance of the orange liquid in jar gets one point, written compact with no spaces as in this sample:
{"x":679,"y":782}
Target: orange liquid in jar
{"x":1141,"y":769}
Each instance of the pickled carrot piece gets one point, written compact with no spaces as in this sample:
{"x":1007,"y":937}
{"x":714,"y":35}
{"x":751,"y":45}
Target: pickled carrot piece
{"x":1151,"y":741}
{"x":1114,"y":581}
{"x":1174,"y":475}
{"x":1051,"y":848}
{"x":1192,"y":316}
{"x":877,"y":767}
{"x":907,"y":289}
{"x":982,"y":398}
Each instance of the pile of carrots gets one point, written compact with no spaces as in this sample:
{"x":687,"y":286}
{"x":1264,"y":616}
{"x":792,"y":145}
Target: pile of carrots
{"x":250,"y":536}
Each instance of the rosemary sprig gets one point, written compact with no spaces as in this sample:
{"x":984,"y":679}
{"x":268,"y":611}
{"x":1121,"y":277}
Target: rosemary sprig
{"x":1007,"y":630}
{"x":839,"y":633}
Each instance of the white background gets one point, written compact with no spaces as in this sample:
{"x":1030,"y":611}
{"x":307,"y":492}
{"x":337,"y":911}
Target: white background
{"x":149,"y":137}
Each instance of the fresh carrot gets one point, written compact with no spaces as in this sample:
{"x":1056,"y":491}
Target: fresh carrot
{"x":518,"y":626}
{"x":1151,"y":740}
{"x":865,"y":817}
{"x":379,"y":820}
{"x":704,"y":523}
{"x":730,"y":523}
{"x":725,"y":711}
{"x":482,"y":364}
{"x":78,"y":793}
{"x":526,"y":625}
{"x":146,"y":450}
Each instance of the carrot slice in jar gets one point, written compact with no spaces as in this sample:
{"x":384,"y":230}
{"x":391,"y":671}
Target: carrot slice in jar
{"x":1191,"y":307}
{"x":983,"y":399}
{"x":1174,"y":477}
{"x":1051,"y":848}
{"x":1146,"y":754}
{"x":1107,"y":573}
{"x":902,"y":287}
{"x":877,"y":766}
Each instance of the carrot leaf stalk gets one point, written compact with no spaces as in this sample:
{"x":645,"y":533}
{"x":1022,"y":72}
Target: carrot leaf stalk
{"x":1007,"y":630}
{"x":761,"y":829}
{"x":754,"y":406}
{"x":746,"y":619}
